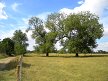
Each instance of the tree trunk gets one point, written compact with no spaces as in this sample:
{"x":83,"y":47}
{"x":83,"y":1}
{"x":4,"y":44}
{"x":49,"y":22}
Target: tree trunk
{"x":77,"y":55}
{"x":47,"y":54}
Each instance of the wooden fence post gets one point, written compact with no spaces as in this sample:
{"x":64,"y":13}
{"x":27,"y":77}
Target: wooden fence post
{"x":19,"y":68}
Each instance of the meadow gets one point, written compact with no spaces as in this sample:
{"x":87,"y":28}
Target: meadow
{"x":61,"y":67}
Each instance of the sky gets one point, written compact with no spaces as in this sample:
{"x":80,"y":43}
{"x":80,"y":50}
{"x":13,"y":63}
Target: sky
{"x":14,"y":15}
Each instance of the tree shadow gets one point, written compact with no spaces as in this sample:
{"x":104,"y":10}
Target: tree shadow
{"x":84,"y":56}
{"x":2,"y":66}
{"x":25,"y":65}
{"x":8,"y":66}
{"x":87,"y":56}
{"x":12,"y":65}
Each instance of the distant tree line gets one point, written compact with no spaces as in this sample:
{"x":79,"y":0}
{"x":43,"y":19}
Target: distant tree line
{"x":15,"y":45}
{"x":101,"y":52}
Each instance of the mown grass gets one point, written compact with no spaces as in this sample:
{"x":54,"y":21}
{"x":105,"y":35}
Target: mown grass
{"x":60,"y":67}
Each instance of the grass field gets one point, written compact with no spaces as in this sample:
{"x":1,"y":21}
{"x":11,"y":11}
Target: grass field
{"x":9,"y":72}
{"x":61,"y":68}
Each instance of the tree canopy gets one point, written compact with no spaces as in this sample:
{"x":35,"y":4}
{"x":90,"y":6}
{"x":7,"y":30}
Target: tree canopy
{"x":20,"y":39}
{"x":7,"y":46}
{"x":82,"y":31}
{"x":44,"y":39}
{"x":76,"y":32}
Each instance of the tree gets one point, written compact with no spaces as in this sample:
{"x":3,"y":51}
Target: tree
{"x":19,"y":49}
{"x":20,"y":39}
{"x":7,"y":46}
{"x":55,"y":24}
{"x":1,"y":47}
{"x":77,"y":32}
{"x":82,"y":30}
{"x":45,"y":40}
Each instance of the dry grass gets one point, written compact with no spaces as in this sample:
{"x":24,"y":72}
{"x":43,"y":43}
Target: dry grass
{"x":62,"y":67}
{"x":9,"y":72}
{"x":8,"y":75}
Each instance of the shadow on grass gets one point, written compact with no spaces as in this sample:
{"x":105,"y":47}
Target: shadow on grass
{"x":12,"y":65}
{"x":25,"y":65}
{"x":95,"y":55}
{"x":73,"y":56}
{"x":9,"y":66}
{"x":2,"y":66}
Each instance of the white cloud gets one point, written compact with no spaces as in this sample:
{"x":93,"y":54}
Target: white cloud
{"x":9,"y":33}
{"x":30,"y":41}
{"x":43,"y":16}
{"x":58,"y":46}
{"x":81,"y":2}
{"x":102,"y":46}
{"x":25,"y":20}
{"x":96,"y":6}
{"x":3,"y":14}
{"x":6,"y":34}
{"x":15,"y":6}
{"x":106,"y":32}
{"x":66,"y":11}
{"x":104,"y":20}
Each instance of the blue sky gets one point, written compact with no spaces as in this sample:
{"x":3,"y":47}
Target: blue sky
{"x":17,"y":10}
{"x":14,"y":14}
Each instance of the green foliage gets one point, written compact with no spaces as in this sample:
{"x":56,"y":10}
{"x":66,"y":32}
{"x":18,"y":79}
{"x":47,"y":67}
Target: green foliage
{"x":62,"y":51}
{"x":55,"y":23}
{"x":45,"y":40}
{"x":7,"y":46}
{"x":20,"y":39}
{"x":76,"y":32}
{"x":82,"y":31}
{"x":1,"y":47}
{"x":37,"y":50}
{"x":19,"y":49}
